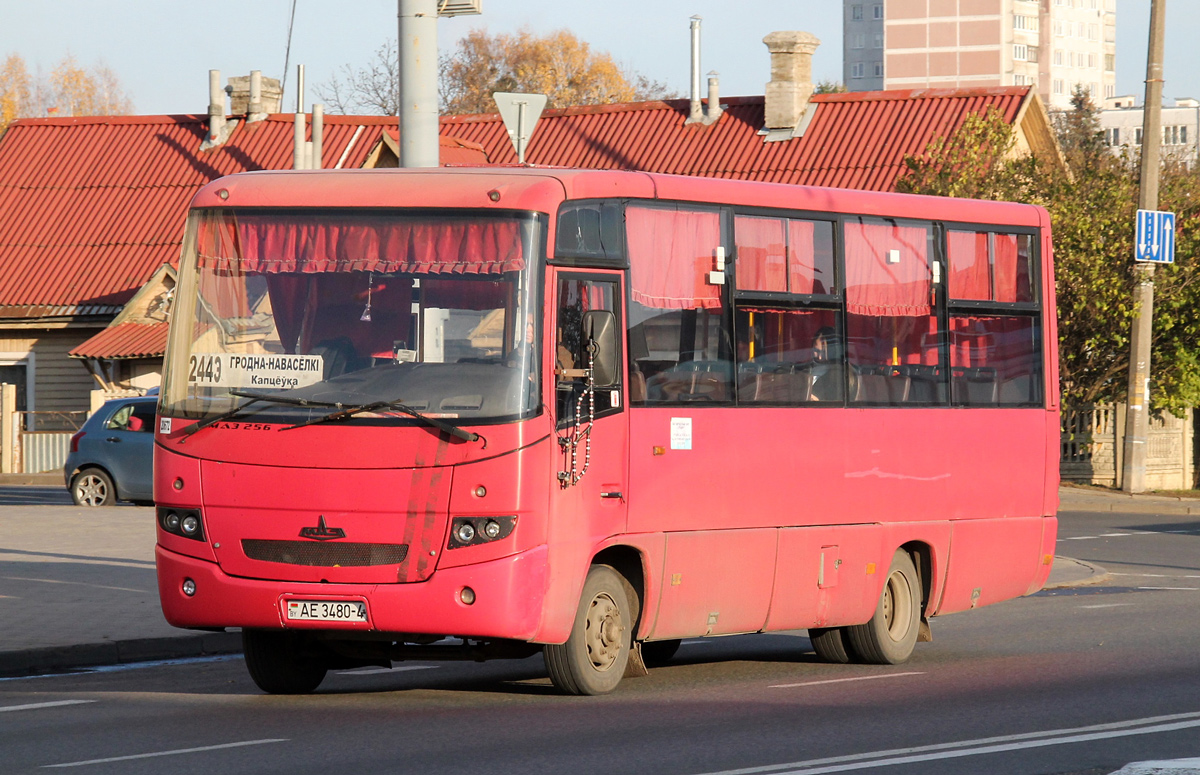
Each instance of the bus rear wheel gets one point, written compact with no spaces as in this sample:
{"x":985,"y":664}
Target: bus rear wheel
{"x":593,"y":659}
{"x":889,"y":638}
{"x":831,"y":645}
{"x":278,"y":663}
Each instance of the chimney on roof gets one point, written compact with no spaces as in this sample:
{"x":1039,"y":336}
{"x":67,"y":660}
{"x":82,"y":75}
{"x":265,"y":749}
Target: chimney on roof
{"x":791,"y":80}
{"x":255,"y":97}
{"x":697,"y":114}
{"x":218,"y":128}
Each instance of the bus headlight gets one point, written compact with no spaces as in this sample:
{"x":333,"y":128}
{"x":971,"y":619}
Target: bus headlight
{"x":470,"y":531}
{"x":182,"y":522}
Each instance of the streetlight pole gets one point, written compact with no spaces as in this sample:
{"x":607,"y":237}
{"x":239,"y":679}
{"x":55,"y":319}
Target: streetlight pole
{"x":1137,"y":416}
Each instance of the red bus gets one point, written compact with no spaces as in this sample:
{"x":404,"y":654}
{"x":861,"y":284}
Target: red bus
{"x":476,"y":413}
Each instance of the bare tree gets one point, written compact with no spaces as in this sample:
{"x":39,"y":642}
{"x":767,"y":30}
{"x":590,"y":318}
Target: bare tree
{"x":558,"y":65}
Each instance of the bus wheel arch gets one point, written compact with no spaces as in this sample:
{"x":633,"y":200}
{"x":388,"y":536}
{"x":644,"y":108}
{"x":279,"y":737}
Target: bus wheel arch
{"x":889,"y":637}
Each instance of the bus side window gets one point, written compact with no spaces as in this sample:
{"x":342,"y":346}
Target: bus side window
{"x":680,"y":342}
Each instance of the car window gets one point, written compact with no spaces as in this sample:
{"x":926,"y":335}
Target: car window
{"x":132,"y":417}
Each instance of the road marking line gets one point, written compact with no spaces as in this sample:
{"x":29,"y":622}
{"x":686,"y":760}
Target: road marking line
{"x":844,"y":680}
{"x":1105,"y":605}
{"x":1143,"y":726}
{"x":37,"y":705}
{"x":1113,"y":535}
{"x":76,"y":583}
{"x":1173,"y":589}
{"x":1155,"y":575}
{"x":167,"y":753}
{"x":379,"y":670}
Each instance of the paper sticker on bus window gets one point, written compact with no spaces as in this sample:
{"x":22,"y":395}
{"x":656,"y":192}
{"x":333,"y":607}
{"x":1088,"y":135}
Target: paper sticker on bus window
{"x":164,"y":426}
{"x":681,"y":433}
{"x":232,"y":370}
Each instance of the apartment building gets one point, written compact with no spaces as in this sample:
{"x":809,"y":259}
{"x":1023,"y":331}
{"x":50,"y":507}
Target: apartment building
{"x":1050,"y":44}
{"x":1122,"y":118}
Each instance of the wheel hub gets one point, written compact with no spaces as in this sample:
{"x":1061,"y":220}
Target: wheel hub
{"x":605,"y":632}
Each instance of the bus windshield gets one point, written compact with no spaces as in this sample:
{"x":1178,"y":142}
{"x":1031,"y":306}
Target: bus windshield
{"x":338,"y":308}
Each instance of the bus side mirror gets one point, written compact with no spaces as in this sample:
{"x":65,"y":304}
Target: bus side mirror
{"x":600,"y":326}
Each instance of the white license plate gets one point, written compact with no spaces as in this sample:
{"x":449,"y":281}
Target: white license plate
{"x":327,"y":610}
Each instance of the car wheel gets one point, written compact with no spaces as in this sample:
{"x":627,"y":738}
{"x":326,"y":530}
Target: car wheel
{"x":93,"y":487}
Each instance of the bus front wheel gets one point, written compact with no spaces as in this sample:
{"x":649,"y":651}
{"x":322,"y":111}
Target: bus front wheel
{"x":593,"y":659}
{"x":279,"y":664}
{"x":889,"y":638}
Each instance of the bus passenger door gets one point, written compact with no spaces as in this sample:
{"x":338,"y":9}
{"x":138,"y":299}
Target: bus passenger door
{"x":591,"y":421}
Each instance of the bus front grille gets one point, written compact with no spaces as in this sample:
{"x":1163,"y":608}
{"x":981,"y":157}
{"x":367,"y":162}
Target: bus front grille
{"x":346,"y":555}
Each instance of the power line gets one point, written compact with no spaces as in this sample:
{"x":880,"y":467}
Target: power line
{"x":287,"y":56}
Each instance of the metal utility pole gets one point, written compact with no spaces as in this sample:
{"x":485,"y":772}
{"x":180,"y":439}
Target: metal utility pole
{"x":1137,"y":420}
{"x":418,"y":83}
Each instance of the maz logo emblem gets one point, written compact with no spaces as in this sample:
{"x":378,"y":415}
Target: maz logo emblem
{"x":320,"y":532}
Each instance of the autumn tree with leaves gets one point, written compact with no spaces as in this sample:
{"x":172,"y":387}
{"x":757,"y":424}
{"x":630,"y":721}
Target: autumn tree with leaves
{"x":1092,"y":211}
{"x":558,"y":64}
{"x":68,"y":90}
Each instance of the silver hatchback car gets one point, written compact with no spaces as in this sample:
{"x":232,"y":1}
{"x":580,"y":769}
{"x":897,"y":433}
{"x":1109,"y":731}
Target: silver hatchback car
{"x":111,"y":456}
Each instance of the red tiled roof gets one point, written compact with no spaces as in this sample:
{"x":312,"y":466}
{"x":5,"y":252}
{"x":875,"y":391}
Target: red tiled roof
{"x":125,"y":340}
{"x":91,"y":207}
{"x":856,"y":140}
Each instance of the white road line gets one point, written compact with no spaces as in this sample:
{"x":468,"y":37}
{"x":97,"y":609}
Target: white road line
{"x":167,"y":753}
{"x":380,"y":670}
{"x":1106,"y":605}
{"x":1114,"y":535}
{"x":1155,"y":575}
{"x":37,"y":705}
{"x":844,"y":680}
{"x":986,"y":745}
{"x":1174,"y":589}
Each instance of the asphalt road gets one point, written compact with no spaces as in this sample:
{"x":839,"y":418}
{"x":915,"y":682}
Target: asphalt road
{"x":1068,"y":681}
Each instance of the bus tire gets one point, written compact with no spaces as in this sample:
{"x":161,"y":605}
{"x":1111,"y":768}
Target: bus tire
{"x":278,"y":664}
{"x":889,"y":638}
{"x":593,"y":659}
{"x":657,"y":653}
{"x":831,"y":645}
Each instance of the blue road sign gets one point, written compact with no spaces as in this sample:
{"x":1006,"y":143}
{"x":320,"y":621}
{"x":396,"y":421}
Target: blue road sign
{"x":1155,"y":239}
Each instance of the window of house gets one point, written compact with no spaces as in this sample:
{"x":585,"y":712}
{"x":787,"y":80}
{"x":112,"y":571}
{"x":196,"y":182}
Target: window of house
{"x":1020,"y":52}
{"x":857,"y":69}
{"x":857,"y":40}
{"x":1137,"y":136}
{"x":1058,"y":57}
{"x":878,"y":69}
{"x":1110,"y":63}
{"x":877,"y":11}
{"x":856,"y":12}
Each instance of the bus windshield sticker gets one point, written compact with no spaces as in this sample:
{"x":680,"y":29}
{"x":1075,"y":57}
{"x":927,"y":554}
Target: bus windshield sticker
{"x":254,"y":370}
{"x":681,"y":433}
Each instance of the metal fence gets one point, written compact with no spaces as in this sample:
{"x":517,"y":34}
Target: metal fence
{"x":44,"y":439}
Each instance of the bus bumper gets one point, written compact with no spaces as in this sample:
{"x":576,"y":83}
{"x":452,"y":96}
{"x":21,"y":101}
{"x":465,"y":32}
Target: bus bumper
{"x":509,"y":595}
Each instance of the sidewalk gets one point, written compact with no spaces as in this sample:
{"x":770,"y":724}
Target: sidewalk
{"x":1097,"y":499}
{"x":78,"y":588}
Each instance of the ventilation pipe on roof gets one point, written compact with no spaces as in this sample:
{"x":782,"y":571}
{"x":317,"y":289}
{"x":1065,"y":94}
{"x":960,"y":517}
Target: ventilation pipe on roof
{"x":255,"y":111}
{"x":318,"y":132}
{"x":218,"y":128}
{"x":697,"y":113}
{"x":298,"y":145}
{"x":786,"y":107}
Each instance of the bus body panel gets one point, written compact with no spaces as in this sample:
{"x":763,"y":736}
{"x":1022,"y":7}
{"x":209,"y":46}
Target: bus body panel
{"x":383,"y":508}
{"x":993,"y":560}
{"x":509,"y":598}
{"x":716,"y":582}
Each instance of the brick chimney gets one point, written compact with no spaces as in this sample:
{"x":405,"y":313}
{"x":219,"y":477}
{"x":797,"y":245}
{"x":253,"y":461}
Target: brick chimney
{"x":254,"y":96}
{"x":791,"y":80}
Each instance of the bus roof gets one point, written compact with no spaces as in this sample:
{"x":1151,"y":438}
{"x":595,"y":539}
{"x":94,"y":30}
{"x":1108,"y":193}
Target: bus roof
{"x":543,"y":188}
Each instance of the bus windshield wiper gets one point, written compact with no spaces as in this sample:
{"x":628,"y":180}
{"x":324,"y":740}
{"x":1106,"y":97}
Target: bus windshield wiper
{"x":349,"y":411}
{"x":254,"y":399}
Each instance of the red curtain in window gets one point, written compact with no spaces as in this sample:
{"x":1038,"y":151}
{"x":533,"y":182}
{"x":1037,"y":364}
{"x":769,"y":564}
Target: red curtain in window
{"x":1012,"y":267}
{"x":802,"y":260}
{"x":671,"y":253}
{"x":761,"y":259}
{"x":875,"y":286}
{"x":969,"y":270}
{"x":275,"y":243}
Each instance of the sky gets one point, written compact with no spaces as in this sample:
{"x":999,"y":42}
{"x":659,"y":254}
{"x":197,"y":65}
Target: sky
{"x":162,"y":50}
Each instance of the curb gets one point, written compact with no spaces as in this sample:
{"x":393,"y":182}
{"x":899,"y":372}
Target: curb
{"x":42,"y":660}
{"x":1098,"y":575}
{"x":1070,"y":500}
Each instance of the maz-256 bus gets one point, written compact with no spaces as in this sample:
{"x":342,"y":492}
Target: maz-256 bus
{"x":480,"y":413}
